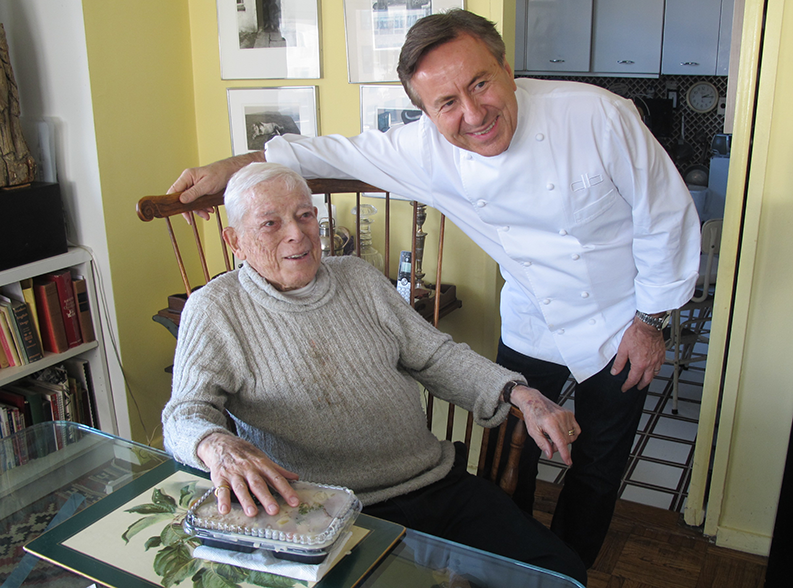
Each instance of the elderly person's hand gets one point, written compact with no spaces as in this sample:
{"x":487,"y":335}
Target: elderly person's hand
{"x":240,"y":467}
{"x":552,"y":427}
{"x":210,"y":179}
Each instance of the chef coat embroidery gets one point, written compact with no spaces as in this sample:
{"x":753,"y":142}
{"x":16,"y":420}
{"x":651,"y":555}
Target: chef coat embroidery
{"x":586,"y":182}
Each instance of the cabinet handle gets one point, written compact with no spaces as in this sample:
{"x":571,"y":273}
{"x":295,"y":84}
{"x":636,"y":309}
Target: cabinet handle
{"x":626,"y":62}
{"x":689,"y":63}
{"x":557,"y":60}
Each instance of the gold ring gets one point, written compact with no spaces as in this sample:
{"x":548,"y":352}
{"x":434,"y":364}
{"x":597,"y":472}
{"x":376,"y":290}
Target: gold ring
{"x":571,"y":432}
{"x":222,"y":487}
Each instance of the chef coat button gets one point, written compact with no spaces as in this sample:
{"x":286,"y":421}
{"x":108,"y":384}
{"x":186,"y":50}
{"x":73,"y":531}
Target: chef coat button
{"x":592,"y":321}
{"x":584,"y":294}
{"x":546,"y":301}
{"x":526,"y":263}
{"x":468,"y":156}
{"x":549,"y":186}
{"x":504,"y":229}
{"x":560,"y":332}
{"x":562,"y":232}
{"x":539,"y":136}
{"x":575,"y":257}
{"x":481,"y":203}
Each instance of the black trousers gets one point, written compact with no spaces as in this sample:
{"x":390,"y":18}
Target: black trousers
{"x":609,"y":419}
{"x":473,"y":511}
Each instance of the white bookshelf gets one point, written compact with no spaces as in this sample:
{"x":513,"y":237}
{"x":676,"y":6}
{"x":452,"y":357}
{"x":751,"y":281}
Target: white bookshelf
{"x":79,"y":260}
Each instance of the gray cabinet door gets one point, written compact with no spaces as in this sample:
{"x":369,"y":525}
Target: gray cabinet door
{"x":626,"y":36}
{"x":558,"y":35}
{"x":691,"y":37}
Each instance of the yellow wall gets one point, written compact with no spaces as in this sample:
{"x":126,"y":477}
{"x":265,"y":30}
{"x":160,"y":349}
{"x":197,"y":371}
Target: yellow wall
{"x":141,"y":80}
{"x":159,"y":107}
{"x":465,"y":265}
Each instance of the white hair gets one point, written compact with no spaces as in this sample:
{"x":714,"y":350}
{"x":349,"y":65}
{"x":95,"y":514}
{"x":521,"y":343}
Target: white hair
{"x":238,"y":190}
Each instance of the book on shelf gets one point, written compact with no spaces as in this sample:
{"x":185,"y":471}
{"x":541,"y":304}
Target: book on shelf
{"x":83,"y":309}
{"x":35,"y":405}
{"x":3,"y":358}
{"x":68,"y":305}
{"x":7,"y":421}
{"x":79,"y":370}
{"x":56,"y":379}
{"x":13,"y":327}
{"x":7,"y":342}
{"x":28,"y":340}
{"x":26,"y":286}
{"x":48,"y":306}
{"x":10,"y":398}
{"x":12,"y":421}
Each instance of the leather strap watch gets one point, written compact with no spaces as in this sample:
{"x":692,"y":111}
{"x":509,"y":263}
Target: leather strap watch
{"x":658,"y":322}
{"x":506,"y":393}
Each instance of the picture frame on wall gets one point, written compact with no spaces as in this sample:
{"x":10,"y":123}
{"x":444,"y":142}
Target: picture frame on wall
{"x":376,"y":31}
{"x":256,"y":115}
{"x":386,"y":106}
{"x":268,"y":39}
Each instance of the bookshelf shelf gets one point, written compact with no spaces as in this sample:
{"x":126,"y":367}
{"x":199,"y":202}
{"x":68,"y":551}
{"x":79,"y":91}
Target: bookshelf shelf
{"x":80,"y":261}
{"x":11,"y":374}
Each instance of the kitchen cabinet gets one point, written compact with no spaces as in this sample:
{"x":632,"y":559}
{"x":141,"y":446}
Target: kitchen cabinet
{"x":630,"y":38}
{"x":626,"y":36}
{"x":555,"y":35}
{"x":79,"y":260}
{"x":697,"y":37}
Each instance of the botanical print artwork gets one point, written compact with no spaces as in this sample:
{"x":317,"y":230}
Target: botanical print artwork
{"x":145,"y":538}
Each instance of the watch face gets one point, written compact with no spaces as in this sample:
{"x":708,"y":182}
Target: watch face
{"x":702,"y":97}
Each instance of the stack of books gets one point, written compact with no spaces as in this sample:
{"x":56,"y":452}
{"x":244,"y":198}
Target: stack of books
{"x":46,"y":314}
{"x":58,"y":393}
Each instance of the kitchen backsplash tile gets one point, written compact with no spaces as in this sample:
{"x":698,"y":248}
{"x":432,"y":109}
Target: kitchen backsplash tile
{"x":699,"y":127}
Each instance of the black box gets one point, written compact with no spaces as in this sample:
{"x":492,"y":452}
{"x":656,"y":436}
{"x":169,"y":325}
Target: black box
{"x":32,"y":224}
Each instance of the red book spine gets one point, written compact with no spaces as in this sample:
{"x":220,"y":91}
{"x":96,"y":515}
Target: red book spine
{"x":6,"y":343}
{"x":53,"y":336}
{"x":71,"y":321}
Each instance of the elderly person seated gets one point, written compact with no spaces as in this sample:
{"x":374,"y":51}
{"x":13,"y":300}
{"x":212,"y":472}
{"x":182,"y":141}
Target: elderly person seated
{"x":317,"y":363}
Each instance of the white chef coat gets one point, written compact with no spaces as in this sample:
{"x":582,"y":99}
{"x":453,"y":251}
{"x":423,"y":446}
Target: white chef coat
{"x":585,"y":213}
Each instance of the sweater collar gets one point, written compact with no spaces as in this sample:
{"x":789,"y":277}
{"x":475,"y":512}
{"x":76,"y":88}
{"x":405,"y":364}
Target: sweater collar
{"x":265,"y":293}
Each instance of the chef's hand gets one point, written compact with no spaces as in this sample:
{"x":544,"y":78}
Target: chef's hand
{"x":210,"y":179}
{"x":238,"y":466}
{"x":643,"y":346}
{"x":552,"y":427}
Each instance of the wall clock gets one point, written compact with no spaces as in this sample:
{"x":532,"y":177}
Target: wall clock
{"x":702,"y":97}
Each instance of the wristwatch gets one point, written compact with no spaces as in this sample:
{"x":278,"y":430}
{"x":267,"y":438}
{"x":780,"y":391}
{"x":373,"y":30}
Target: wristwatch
{"x":658,"y":322}
{"x":506,"y":393}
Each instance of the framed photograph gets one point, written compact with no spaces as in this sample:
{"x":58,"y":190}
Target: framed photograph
{"x":267,"y":39}
{"x":385,"y":107}
{"x":376,"y":30}
{"x":256,"y":115}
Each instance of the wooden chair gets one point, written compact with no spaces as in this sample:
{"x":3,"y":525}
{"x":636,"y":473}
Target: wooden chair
{"x":433,"y":304}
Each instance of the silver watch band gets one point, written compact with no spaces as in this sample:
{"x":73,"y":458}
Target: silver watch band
{"x":658,"y":322}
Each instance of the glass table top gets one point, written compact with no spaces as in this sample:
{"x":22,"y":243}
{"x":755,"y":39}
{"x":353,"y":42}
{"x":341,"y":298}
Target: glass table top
{"x":51,"y":471}
{"x":424,"y":561}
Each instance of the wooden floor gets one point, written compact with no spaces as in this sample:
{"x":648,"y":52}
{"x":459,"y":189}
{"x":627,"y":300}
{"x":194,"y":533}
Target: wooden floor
{"x":648,"y":547}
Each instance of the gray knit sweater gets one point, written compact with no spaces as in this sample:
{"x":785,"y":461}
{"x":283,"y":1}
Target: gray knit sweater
{"x":324,"y":385}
